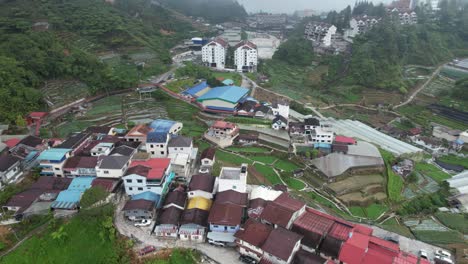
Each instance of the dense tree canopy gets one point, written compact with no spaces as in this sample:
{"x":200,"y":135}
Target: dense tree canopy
{"x":216,"y":11}
{"x":295,"y":51}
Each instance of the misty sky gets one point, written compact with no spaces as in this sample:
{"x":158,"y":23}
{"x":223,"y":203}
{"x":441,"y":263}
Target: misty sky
{"x":289,"y":6}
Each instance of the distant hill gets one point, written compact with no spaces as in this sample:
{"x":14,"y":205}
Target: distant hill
{"x":59,"y":39}
{"x":215,"y":11}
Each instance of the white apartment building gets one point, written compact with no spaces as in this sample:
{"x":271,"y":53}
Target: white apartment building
{"x":156,"y":144}
{"x":320,"y":32}
{"x":359,"y":25}
{"x":246,"y":56}
{"x":214,"y":53}
{"x":152,"y":175}
{"x":112,"y":166}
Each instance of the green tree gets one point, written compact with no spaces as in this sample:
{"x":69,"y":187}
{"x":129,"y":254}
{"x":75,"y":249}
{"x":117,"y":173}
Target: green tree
{"x":295,"y":51}
{"x":92,"y":196}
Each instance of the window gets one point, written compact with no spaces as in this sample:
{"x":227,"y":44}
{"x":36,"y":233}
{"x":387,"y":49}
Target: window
{"x":162,"y":152}
{"x":151,"y":146}
{"x":234,"y":187}
{"x":140,"y":181}
{"x":175,"y":148}
{"x":106,"y":172}
{"x":130,"y":188}
{"x":57,"y":169}
{"x":140,"y":188}
{"x":152,"y":152}
{"x":233,"y":227}
{"x":161,"y":146}
{"x":215,"y":226}
{"x":181,"y":148}
{"x":129,"y":180}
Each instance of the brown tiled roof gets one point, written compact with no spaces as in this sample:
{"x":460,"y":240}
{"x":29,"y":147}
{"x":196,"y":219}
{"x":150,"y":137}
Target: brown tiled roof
{"x":286,"y":201}
{"x":202,"y":182}
{"x":195,"y":216}
{"x":208,"y":153}
{"x":31,"y":141}
{"x":232,"y":197}
{"x":246,"y":43}
{"x":74,"y":140}
{"x":142,"y":128}
{"x":176,"y":197}
{"x":256,"y":207}
{"x":254,"y":233}
{"x":304,"y":257}
{"x":280,"y":187}
{"x":276,"y":214}
{"x":80,"y":162}
{"x":221,"y":42}
{"x":225,"y":214}
{"x":280,"y":243}
{"x":170,"y":215}
{"x":51,"y":183}
{"x":139,"y":204}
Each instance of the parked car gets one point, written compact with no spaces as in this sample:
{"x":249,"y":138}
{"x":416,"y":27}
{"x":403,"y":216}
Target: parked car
{"x":247,"y":259}
{"x":443,"y":253}
{"x":216,"y":243}
{"x":147,"y":250}
{"x":145,"y":222}
{"x":423,"y":254}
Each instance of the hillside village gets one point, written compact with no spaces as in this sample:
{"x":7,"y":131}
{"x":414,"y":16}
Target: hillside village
{"x":211,"y":157}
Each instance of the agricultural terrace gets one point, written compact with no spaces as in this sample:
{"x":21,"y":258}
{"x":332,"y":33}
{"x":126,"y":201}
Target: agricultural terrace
{"x":58,"y":93}
{"x":431,"y":171}
{"x":453,"y":73}
{"x":455,"y":160}
{"x":394,"y":182}
{"x":372,"y":211}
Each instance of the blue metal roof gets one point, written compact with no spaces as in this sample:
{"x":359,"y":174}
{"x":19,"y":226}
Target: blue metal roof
{"x":322,"y":145}
{"x":459,"y":142}
{"x":156,"y":137}
{"x":53,"y":154}
{"x":195,"y":89}
{"x":81,"y":184}
{"x":150,"y":196}
{"x":162,"y":125}
{"x":228,"y":82}
{"x":232,"y":94}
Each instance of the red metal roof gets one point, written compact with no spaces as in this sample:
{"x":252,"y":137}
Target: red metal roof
{"x":281,"y":243}
{"x":286,"y":201}
{"x":383,"y":243}
{"x":158,"y":167}
{"x":340,"y":231}
{"x":374,"y":256}
{"x":37,"y":114}
{"x":346,"y":140}
{"x":254,"y":233}
{"x":225,"y":214}
{"x":12,"y":142}
{"x":276,"y":214}
{"x":108,"y":184}
{"x":223,"y":125}
{"x":314,"y":223}
{"x":354,"y":249}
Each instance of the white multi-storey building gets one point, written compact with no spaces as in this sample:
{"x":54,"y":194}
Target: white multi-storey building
{"x":359,"y":25}
{"x":246,"y":56}
{"x":152,"y":175}
{"x":214,"y":53}
{"x":320,"y":32}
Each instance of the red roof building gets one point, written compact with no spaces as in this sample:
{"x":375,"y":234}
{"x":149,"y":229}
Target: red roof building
{"x":157,"y":167}
{"x":12,"y":142}
{"x":281,"y":244}
{"x":345,"y":140}
{"x":225,"y":215}
{"x":283,"y":211}
{"x":223,"y":125}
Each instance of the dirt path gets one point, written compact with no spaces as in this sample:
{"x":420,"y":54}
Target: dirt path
{"x":415,"y":93}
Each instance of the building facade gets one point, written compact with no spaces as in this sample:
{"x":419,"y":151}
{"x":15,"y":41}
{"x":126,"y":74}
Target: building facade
{"x":246,"y":57}
{"x":214,"y":53}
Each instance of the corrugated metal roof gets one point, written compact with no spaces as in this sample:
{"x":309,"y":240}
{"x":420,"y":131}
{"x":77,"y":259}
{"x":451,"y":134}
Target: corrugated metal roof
{"x":150,"y":196}
{"x":162,"y":125}
{"x":232,"y":94}
{"x":53,"y":154}
{"x":195,"y":89}
{"x":199,"y":203}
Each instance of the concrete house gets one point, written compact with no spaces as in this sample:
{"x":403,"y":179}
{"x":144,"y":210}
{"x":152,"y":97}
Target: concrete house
{"x":208,"y":158}
{"x":156,"y":144}
{"x":76,"y":142}
{"x":152,"y":175}
{"x":201,"y":185}
{"x":51,"y":161}
{"x":139,"y":209}
{"x":279,"y":122}
{"x":321,"y":33}
{"x":102,"y":148}
{"x":233,"y":179}
{"x":112,"y":166}
{"x":224,"y":221}
{"x":251,"y":237}
{"x":281,"y":246}
{"x":246,"y":56}
{"x":166,"y":126}
{"x":176,"y":199}
{"x":193,"y":224}
{"x":280,"y":107}
{"x":283,"y":211}
{"x":80,"y":166}
{"x":138,"y":133}
{"x":168,"y":223}
{"x":10,"y":170}
{"x":182,"y":154}
{"x":214,"y":53}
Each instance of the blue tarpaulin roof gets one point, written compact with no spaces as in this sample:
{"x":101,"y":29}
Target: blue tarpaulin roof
{"x":149,"y":196}
{"x":53,"y":154}
{"x":162,"y":125}
{"x":232,"y":94}
{"x":195,"y":89}
{"x":81,"y":183}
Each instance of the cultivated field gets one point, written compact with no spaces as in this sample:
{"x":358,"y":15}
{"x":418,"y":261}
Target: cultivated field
{"x":354,"y":183}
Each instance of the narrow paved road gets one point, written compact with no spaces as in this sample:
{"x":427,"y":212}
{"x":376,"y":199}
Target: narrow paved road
{"x":415,"y":93}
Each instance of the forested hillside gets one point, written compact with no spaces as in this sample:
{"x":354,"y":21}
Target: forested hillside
{"x":215,"y":11}
{"x":42,"y":40}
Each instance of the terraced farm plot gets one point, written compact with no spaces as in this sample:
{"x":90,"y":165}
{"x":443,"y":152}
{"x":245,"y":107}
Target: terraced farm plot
{"x":438,"y":85}
{"x":432,"y":171}
{"x":231,"y":159}
{"x":268,"y":173}
{"x":58,"y":93}
{"x":458,"y":222}
{"x":180,"y":85}
{"x":294,"y":183}
{"x":360,"y":198}
{"x":453,"y":73}
{"x":438,"y":237}
{"x":421,"y":115}
{"x":455,"y":160}
{"x":355,"y":183}
{"x":264,"y":159}
{"x":429,"y":225}
{"x":249,"y":149}
{"x":286,"y":165}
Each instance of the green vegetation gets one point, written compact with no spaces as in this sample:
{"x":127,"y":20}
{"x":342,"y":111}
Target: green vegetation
{"x":229,"y":158}
{"x":294,"y":183}
{"x":247,"y":120}
{"x":179,"y":85}
{"x":268,"y":173}
{"x":453,"y":73}
{"x":423,"y":204}
{"x":178,"y":256}
{"x":199,"y":72}
{"x":286,"y":165}
{"x":92,"y":196}
{"x":229,"y":75}
{"x":432,"y":171}
{"x":394,"y":182}
{"x":319,"y":199}
{"x":439,"y":237}
{"x":393,"y":226}
{"x":264,"y":159}
{"x":8,"y":192}
{"x":295,"y":51}
{"x":249,"y":149}
{"x":67,"y":242}
{"x":217,"y":11}
{"x":30,"y":56}
{"x":460,"y":89}
{"x":372,"y":211}
{"x":455,"y":160}
{"x":454,"y":221}
{"x":423,"y":116}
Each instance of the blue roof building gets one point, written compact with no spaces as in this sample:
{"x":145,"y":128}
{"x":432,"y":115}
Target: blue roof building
{"x":70,"y":198}
{"x":156,"y":137}
{"x":197,"y":90}
{"x":224,"y":98}
{"x":149,"y":196}
{"x":166,"y":126}
{"x":54,"y":154}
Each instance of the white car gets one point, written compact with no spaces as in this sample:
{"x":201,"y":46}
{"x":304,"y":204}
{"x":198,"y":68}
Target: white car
{"x":145,"y":222}
{"x":204,"y":170}
{"x":423,"y":254}
{"x":216,"y":243}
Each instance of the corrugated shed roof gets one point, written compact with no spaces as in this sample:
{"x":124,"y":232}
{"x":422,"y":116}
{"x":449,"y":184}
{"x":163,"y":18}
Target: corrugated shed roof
{"x":112,"y":162}
{"x":232,"y":94}
{"x":81,"y":183}
{"x":225,"y":214}
{"x":254,"y":233}
{"x":139,"y":204}
{"x":194,"y":216}
{"x":12,"y":142}
{"x":195,"y":89}
{"x":208,"y":153}
{"x":202,"y":182}
{"x":7,"y":162}
{"x":123,"y":151}
{"x":199,"y":203}
{"x":170,"y":216}
{"x":149,"y":196}
{"x":276,"y":214}
{"x":176,"y":197}
{"x":80,"y":162}
{"x":304,"y":257}
{"x":281,"y":242}
{"x":108,"y":184}
{"x":311,"y":222}
{"x":286,"y":201}
{"x":53,"y":154}
{"x":162,"y":125}
{"x":31,"y":141}
{"x":180,"y":141}
{"x":232,"y":197}
{"x":156,"y":137}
